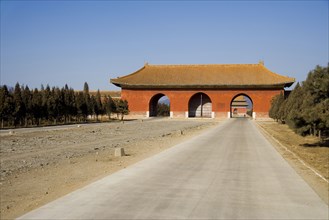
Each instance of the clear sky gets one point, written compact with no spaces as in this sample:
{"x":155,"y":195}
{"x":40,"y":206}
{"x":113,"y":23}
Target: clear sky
{"x":59,"y":42}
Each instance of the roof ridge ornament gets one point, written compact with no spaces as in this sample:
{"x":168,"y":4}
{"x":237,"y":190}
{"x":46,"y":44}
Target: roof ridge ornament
{"x":146,"y":63}
{"x":261,"y":62}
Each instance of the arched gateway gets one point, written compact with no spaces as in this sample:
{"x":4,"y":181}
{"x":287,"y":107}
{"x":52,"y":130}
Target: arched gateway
{"x":201,"y":90}
{"x":241,"y":106}
{"x":200,"y":105}
{"x":154,"y":105}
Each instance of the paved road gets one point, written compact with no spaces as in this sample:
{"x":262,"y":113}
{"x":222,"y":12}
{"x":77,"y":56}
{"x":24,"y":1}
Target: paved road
{"x":230,"y":172}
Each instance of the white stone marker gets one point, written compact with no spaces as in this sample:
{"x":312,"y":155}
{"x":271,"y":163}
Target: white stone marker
{"x":119,"y":152}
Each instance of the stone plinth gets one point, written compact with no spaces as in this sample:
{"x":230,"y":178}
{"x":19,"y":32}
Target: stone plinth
{"x":119,"y":152}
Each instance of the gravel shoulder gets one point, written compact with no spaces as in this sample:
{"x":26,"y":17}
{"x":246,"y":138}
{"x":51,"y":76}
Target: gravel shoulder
{"x":302,"y":153}
{"x":40,"y":165}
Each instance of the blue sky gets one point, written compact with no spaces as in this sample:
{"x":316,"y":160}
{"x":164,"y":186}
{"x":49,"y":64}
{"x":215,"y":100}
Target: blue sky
{"x":59,"y":42}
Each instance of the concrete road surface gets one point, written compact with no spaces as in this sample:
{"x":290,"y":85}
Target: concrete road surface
{"x":229,"y":172}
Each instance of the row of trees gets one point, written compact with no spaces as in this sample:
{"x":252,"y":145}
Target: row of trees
{"x":306,"y":109}
{"x":21,"y":106}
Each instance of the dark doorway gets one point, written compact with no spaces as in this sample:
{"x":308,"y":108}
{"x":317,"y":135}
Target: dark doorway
{"x":159,"y":106}
{"x":200,"y":106}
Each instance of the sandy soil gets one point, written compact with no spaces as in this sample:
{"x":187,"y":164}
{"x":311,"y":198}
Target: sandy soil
{"x":42,"y":164}
{"x":301,"y":153}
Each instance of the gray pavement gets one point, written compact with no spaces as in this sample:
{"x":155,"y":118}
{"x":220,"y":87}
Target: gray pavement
{"x":229,"y":172}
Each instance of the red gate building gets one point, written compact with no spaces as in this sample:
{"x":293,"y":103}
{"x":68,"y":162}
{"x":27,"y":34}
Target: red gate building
{"x":201,"y":90}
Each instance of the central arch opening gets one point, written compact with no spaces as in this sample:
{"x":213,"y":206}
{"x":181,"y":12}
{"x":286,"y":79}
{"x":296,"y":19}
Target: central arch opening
{"x":200,"y":105}
{"x":241,"y":106}
{"x":159,"y":106}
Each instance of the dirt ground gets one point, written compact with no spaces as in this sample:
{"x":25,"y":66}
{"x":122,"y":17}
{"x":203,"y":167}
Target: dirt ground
{"x":301,"y":153}
{"x":41,"y":164}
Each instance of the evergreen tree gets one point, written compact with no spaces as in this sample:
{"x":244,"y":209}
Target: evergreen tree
{"x":6,"y":105}
{"x":19,"y":110}
{"x":307,"y":108}
{"x":122,"y":107}
{"x":27,"y":101}
{"x":37,"y":106}
{"x":59,"y":104}
{"x":109,"y":106}
{"x":314,"y":108}
{"x":46,"y":93}
{"x":282,"y":111}
{"x":293,"y":108}
{"x":276,"y":103}
{"x":92,"y":106}
{"x":21,"y":105}
{"x":98,"y":108}
{"x":82,"y":108}
{"x":72,"y":103}
{"x":87,"y":99}
{"x":51,"y":106}
{"x":66,"y":104}
{"x":85,"y":88}
{"x":69,"y":105}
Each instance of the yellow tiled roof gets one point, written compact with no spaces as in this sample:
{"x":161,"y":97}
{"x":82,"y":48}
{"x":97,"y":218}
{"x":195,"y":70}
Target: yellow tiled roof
{"x":239,"y":101}
{"x":240,"y":98}
{"x":203,"y":76}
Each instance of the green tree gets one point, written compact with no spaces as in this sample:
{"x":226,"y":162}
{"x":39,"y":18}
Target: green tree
{"x":307,"y":108}
{"x":37,"y":106}
{"x":27,"y":101}
{"x":46,"y":95}
{"x":293,"y":108}
{"x":6,"y":105}
{"x":82,"y":108}
{"x":122,"y":107}
{"x":19,"y":110}
{"x":314,"y":108}
{"x":51,"y":106}
{"x":72,"y":103}
{"x":92,"y":106}
{"x":59,"y":104}
{"x":98,"y":108}
{"x":276,"y":104}
{"x":109,"y":106}
{"x":87,"y":99}
{"x":69,"y":105}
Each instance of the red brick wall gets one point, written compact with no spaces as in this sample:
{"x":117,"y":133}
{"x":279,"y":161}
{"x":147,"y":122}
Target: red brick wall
{"x":139,"y":100}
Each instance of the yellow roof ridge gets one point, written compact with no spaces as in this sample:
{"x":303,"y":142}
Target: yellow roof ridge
{"x":198,"y":65}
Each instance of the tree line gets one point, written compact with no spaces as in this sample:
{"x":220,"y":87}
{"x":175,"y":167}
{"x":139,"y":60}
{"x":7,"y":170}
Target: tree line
{"x":20,"y":106}
{"x":306,"y":109}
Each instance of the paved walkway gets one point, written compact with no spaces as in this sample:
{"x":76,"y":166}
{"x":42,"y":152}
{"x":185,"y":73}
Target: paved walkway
{"x":230,"y":172}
